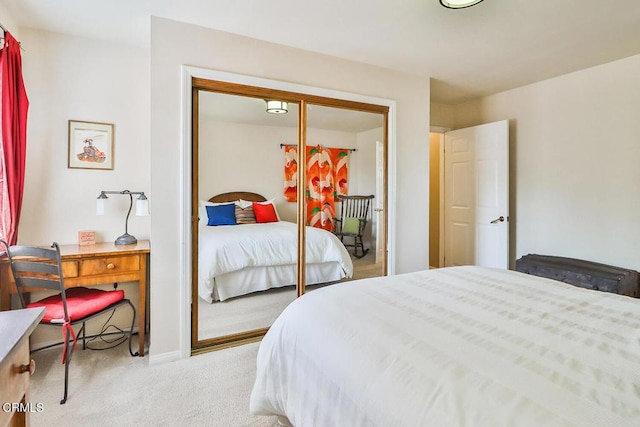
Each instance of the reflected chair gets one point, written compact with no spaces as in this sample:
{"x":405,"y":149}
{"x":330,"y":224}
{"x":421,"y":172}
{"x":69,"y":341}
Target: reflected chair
{"x":354,"y":213}
{"x":40,"y":269}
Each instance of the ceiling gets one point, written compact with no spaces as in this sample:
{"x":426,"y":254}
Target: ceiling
{"x":485,"y":49}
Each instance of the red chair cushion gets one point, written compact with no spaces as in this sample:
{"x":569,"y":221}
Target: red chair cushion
{"x":81,"y":302}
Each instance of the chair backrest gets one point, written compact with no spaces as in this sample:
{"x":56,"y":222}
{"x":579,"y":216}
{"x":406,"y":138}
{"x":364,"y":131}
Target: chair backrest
{"x":36,"y":268}
{"x":355,"y":207}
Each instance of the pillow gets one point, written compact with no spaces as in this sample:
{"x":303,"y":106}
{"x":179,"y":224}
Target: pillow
{"x":351,"y":225}
{"x":222,"y":214}
{"x":244,"y":203}
{"x":202,"y":211}
{"x":265,"y":212}
{"x":245,"y":215}
{"x":268,"y":202}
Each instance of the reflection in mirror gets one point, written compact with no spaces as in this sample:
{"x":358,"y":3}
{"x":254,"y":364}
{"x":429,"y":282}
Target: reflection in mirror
{"x":245,"y":204}
{"x":247,"y":247}
{"x":347,"y":148}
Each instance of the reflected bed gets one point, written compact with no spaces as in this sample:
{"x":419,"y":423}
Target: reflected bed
{"x":461,"y":346}
{"x":236,"y":260}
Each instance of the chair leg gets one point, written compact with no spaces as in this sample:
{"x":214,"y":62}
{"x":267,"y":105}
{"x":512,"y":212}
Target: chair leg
{"x":359,"y":243}
{"x":133,"y":322}
{"x":84,"y":336}
{"x":67,"y":361}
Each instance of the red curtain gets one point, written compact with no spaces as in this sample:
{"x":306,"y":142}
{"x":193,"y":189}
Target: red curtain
{"x":14,"y":131}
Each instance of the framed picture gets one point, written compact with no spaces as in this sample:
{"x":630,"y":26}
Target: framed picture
{"x":90,"y":145}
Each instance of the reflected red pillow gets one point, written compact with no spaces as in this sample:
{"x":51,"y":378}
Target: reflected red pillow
{"x":265,"y":212}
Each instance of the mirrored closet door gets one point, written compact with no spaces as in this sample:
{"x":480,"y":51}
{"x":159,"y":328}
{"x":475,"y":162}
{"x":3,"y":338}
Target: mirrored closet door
{"x":259,"y":239}
{"x":350,"y":149}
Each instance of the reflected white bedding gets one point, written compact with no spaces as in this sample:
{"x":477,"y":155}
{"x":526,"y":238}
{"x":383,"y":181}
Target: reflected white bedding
{"x":236,"y":260}
{"x":462,"y":346}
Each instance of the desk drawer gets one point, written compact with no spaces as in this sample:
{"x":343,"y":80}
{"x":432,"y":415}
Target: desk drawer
{"x":110,"y":265}
{"x":14,"y":384}
{"x":70,"y":268}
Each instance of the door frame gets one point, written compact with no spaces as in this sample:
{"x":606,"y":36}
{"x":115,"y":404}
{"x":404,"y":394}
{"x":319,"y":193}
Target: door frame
{"x":440,"y":131}
{"x":186,"y":202}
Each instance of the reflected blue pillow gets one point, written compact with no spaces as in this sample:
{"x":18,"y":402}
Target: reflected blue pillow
{"x":222,"y":214}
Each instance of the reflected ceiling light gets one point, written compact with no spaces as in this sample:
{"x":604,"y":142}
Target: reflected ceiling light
{"x":458,"y":4}
{"x":276,"y":107}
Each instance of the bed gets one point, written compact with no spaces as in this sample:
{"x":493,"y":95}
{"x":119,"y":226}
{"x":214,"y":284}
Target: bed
{"x":237,"y":260}
{"x":459,"y":346}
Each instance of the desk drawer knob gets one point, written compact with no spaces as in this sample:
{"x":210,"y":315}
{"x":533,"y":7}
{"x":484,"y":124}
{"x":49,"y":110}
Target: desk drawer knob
{"x":31,"y":368}
{"x":111,"y":266}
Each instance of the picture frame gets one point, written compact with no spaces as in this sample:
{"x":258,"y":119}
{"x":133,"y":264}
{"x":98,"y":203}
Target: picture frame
{"x":90,"y":145}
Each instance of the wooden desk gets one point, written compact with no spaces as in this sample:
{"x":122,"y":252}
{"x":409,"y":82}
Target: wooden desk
{"x":16,"y":365}
{"x":92,"y":265}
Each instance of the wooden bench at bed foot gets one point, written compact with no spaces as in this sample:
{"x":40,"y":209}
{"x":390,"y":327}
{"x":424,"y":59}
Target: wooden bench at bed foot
{"x":586,"y":274}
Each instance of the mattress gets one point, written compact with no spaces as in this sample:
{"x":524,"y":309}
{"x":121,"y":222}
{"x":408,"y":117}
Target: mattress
{"x":225,"y":253}
{"x":460,"y":346}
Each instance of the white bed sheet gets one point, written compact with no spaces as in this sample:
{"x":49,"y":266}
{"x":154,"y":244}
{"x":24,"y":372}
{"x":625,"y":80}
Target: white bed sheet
{"x":230,"y":249}
{"x":254,"y":279}
{"x":462,"y":346}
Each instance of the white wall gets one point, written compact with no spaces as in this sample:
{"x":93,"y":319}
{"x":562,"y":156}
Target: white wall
{"x":174,"y":44}
{"x":9,"y":21}
{"x":243,"y":157}
{"x":575,"y":162}
{"x":72,"y":78}
{"x":442,"y":115}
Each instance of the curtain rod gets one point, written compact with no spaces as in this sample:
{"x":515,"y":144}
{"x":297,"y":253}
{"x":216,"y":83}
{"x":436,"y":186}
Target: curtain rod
{"x":295,"y":145}
{"x":4,"y":29}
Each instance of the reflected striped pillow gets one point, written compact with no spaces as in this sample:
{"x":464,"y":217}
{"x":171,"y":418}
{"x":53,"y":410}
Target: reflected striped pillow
{"x":245,"y":215}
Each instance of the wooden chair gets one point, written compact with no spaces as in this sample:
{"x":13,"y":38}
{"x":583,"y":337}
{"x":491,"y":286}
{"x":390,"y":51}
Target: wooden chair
{"x":354,"y":213}
{"x":36,"y":269}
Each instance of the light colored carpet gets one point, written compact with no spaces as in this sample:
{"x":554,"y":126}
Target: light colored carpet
{"x":260,"y":309}
{"x":244,"y":313}
{"x":112,"y":388}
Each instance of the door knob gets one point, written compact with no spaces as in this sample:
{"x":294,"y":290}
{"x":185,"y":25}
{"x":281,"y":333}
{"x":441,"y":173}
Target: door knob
{"x":497,"y":220}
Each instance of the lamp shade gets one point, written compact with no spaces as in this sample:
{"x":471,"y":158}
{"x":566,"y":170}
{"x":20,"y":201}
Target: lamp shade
{"x":142,"y":206}
{"x":276,"y":107}
{"x":100,"y":202}
{"x":458,"y":4}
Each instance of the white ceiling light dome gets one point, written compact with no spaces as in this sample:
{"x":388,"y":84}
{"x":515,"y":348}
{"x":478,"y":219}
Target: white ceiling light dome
{"x":276,"y":107}
{"x":458,"y":4}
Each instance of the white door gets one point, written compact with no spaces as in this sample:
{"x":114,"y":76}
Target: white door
{"x":476,"y":175}
{"x":378,"y":206}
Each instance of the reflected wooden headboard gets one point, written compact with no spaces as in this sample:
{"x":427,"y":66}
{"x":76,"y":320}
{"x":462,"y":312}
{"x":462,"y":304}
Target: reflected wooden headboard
{"x":237,"y":195}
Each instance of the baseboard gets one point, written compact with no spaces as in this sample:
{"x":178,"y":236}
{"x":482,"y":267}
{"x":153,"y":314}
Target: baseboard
{"x":170,"y":356}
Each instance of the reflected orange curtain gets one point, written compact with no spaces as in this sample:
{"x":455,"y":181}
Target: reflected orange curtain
{"x":327,"y":177}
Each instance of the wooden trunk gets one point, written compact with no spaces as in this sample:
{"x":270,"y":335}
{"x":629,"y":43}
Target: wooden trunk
{"x":586,"y":274}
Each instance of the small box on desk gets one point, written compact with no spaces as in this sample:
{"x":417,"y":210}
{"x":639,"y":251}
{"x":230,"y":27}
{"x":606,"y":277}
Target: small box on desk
{"x":86,"y":238}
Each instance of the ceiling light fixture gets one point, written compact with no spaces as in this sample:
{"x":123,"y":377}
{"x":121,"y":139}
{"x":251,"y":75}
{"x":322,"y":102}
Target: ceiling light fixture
{"x":458,"y":4}
{"x":276,"y":107}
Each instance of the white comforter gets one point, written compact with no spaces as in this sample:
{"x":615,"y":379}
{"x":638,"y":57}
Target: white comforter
{"x":226,"y":249}
{"x":462,"y":346}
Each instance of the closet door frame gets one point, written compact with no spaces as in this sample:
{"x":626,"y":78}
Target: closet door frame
{"x":194,"y":80}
